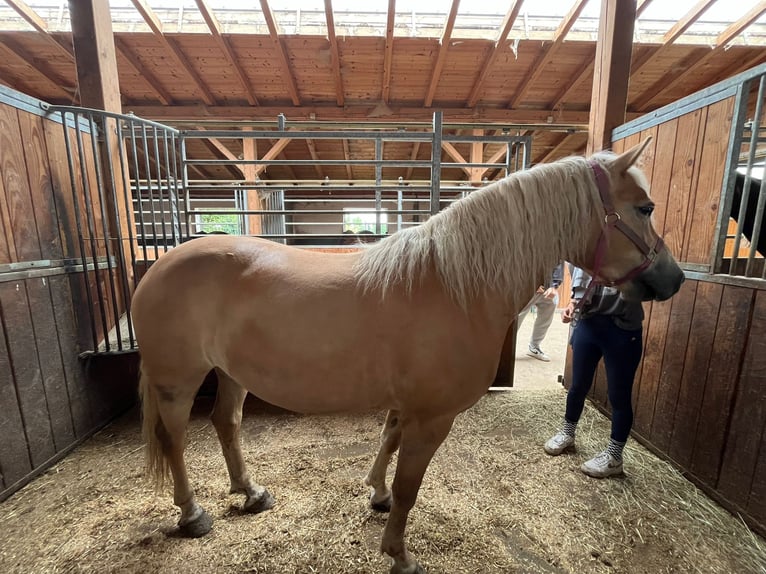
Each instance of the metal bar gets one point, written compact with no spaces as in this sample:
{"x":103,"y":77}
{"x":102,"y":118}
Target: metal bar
{"x":125,"y":174}
{"x":158,"y":164}
{"x":311,"y":162}
{"x":746,"y":186}
{"x":52,"y":271}
{"x":436,"y":158}
{"x":138,"y":198}
{"x":78,"y":223}
{"x":90,"y":221}
{"x":121,"y":279}
{"x":145,"y":147}
{"x":730,"y":170}
{"x":378,"y":181}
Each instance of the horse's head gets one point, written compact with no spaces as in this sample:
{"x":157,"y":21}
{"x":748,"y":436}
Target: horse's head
{"x":625,"y":250}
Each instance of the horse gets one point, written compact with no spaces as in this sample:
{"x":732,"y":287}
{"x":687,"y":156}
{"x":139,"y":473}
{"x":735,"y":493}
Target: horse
{"x":291,"y":326}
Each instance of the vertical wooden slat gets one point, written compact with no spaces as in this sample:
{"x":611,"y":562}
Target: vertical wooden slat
{"x":676,"y":344}
{"x":21,"y":221}
{"x":14,"y":453}
{"x":711,"y":167}
{"x":654,"y":345}
{"x":725,"y":363}
{"x":756,"y":504}
{"x":748,"y":416}
{"x":685,"y":164}
{"x":697,"y":361}
{"x":661,"y":169}
{"x":26,"y":371}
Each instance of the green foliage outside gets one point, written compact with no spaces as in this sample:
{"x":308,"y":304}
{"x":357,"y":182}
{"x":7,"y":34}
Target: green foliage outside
{"x":356,"y":222}
{"x":228,"y":223}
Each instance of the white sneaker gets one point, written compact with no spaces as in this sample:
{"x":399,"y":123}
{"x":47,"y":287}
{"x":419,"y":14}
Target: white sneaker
{"x":558,"y":443}
{"x":602,"y":465}
{"x":538,"y":354}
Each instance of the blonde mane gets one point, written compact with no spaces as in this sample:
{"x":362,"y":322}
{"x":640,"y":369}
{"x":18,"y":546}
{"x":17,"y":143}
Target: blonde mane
{"x":505,"y":237}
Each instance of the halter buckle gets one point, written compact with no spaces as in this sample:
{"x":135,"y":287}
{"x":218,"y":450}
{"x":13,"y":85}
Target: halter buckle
{"x":613,"y":214}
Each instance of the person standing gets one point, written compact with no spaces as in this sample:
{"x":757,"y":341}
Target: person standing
{"x":604,"y":326}
{"x":545,"y":302}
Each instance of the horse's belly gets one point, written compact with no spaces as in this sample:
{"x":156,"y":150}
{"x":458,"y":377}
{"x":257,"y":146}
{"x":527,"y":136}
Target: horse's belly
{"x":309,"y":386}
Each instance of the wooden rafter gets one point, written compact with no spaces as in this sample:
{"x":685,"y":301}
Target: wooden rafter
{"x":34,"y":20}
{"x":494,"y":158}
{"x":486,"y":67}
{"x":444,"y":42}
{"x":340,"y":97}
{"x":42,"y":68}
{"x":215,"y":29}
{"x":156,"y":27}
{"x":219,"y":149}
{"x":273,"y":153}
{"x":673,"y":34}
{"x":154,"y":84}
{"x":554,"y":153}
{"x":672,"y":78}
{"x":641,"y":7}
{"x":358,"y":112}
{"x":315,"y":156}
{"x":584,"y":71}
{"x":347,"y":156}
{"x":455,"y":155}
{"x":249,"y":152}
{"x":389,"y":50}
{"x":413,"y":157}
{"x":548,"y":52}
{"x":292,"y":88}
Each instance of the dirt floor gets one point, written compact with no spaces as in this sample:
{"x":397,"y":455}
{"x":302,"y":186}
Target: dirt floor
{"x":491,"y":502}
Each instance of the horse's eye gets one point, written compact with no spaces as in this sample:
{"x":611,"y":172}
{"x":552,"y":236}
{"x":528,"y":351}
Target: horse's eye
{"x":646,"y":210}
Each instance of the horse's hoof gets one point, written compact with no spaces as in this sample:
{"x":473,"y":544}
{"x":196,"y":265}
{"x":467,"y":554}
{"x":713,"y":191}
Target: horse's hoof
{"x":256,"y":504}
{"x":416,"y":569}
{"x":380,"y":505}
{"x":197,"y":527}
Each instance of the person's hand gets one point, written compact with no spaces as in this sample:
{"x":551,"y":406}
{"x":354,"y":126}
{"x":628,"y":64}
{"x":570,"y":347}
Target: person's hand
{"x":568,"y":314}
{"x":550,"y":292}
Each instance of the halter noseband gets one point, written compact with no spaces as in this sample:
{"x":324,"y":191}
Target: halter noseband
{"x":612,"y":219}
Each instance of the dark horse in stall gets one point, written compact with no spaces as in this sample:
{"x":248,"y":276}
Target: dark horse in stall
{"x":754,"y":188}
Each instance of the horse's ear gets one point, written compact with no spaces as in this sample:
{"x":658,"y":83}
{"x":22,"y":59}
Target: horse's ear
{"x":630,"y":157}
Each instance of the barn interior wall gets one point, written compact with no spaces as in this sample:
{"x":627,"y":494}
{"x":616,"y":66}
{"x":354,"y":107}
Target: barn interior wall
{"x":49,"y":402}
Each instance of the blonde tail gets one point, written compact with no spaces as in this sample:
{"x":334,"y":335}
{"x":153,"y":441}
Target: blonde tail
{"x":157,"y":467}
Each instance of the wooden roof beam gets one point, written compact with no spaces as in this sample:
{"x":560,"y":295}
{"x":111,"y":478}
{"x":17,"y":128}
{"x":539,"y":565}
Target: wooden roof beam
{"x":340,"y":97}
{"x":455,"y":155}
{"x":360,"y":112}
{"x":292,"y":88}
{"x":444,"y":42}
{"x":34,"y":20}
{"x":413,"y":157}
{"x":347,"y":156}
{"x":673,"y":77}
{"x":584,"y":71}
{"x":643,"y":6}
{"x":389,"y":51}
{"x":674,"y":33}
{"x":42,"y":68}
{"x":510,"y":19}
{"x":554,"y":153}
{"x":138,"y":67}
{"x":275,"y":150}
{"x":215,"y":29}
{"x":156,"y":27}
{"x":315,"y":156}
{"x":548,"y":51}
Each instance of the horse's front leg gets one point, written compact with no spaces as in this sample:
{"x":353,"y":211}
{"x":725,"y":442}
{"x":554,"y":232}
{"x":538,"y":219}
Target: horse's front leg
{"x":390,"y":437}
{"x":227,"y":420}
{"x":420,"y":439}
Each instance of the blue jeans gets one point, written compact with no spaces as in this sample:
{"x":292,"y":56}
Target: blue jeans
{"x":593,"y":338}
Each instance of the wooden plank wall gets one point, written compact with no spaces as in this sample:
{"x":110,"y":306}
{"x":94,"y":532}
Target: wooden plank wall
{"x":47,"y":402}
{"x":700,"y":391}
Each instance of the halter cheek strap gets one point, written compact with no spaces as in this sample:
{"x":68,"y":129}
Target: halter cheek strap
{"x":613,"y":220}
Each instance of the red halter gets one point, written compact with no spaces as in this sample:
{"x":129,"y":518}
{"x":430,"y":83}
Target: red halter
{"x":612,"y":219}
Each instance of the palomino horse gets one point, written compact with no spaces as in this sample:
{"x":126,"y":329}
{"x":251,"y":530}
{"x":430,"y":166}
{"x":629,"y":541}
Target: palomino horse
{"x":293,"y":326}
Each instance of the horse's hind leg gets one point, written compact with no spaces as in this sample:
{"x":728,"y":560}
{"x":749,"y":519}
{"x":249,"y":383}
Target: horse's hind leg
{"x":390,"y":438}
{"x":227,"y":419}
{"x":166,"y":408}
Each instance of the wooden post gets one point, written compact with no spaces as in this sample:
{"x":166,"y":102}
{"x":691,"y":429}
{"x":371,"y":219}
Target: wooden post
{"x":611,"y":72}
{"x":98,"y":83}
{"x":250,"y":152}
